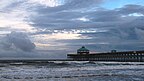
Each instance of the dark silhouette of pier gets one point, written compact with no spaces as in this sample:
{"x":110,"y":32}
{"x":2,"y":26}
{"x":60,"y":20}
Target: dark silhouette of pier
{"x":125,"y":56}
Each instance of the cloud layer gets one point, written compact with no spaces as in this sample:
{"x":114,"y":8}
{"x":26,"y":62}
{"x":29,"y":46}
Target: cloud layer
{"x":19,"y":40}
{"x":62,"y":26}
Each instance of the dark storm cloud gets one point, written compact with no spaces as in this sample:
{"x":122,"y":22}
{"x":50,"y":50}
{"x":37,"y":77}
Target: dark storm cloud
{"x":119,"y":27}
{"x":69,"y":5}
{"x":63,"y":15}
{"x":104,"y":16}
{"x":64,"y":18}
{"x":17,"y":45}
{"x":19,"y":40}
{"x":116,"y":14}
{"x":122,"y":24}
{"x":128,"y":9}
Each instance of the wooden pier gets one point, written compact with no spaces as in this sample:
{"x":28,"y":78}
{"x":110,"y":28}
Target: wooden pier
{"x":127,"y":56}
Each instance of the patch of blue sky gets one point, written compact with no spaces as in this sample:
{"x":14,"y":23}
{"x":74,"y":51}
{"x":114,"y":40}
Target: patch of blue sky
{"x":112,"y":4}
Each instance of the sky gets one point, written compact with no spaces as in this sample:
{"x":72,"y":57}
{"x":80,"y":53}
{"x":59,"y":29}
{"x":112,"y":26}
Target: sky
{"x":53,"y":28}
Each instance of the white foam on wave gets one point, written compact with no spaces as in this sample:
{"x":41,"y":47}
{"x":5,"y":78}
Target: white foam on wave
{"x":45,"y":72}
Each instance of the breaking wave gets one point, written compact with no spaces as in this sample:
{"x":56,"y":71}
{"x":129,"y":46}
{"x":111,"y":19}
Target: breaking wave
{"x":71,"y":71}
{"x":69,"y":63}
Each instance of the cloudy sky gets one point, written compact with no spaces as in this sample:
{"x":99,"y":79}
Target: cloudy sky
{"x":53,"y":28}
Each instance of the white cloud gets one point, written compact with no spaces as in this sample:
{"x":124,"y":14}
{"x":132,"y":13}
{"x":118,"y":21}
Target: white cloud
{"x":60,"y":36}
{"x":49,"y":3}
{"x":14,"y":15}
{"x":136,"y":14}
{"x":83,"y":19}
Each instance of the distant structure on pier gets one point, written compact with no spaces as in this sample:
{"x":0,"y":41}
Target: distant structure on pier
{"x":83,"y":50}
{"x":83,"y":54}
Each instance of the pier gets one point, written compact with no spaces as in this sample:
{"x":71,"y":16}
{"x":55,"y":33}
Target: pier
{"x":126,"y":56}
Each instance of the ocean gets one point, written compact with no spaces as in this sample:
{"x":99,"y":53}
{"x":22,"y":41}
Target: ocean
{"x":72,"y":71}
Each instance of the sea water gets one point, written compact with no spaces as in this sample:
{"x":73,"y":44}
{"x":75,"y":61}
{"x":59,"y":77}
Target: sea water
{"x":72,"y":71}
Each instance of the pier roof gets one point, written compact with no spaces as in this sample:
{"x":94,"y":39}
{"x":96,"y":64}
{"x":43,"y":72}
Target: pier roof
{"x":83,"y":49}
